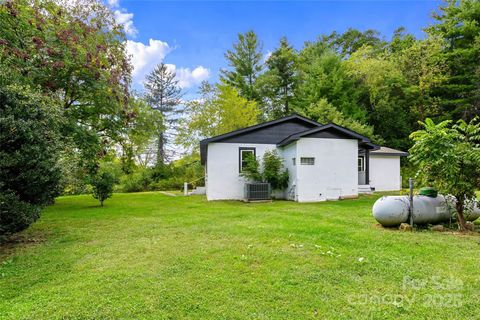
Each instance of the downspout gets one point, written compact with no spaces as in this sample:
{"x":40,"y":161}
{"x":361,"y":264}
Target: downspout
{"x":367,"y":166}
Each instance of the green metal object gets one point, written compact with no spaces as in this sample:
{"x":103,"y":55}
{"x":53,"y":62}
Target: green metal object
{"x":429,"y":192}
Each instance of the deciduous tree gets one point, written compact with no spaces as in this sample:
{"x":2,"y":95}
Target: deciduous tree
{"x":220,"y":109}
{"x":458,"y":23}
{"x":448,"y":158}
{"x":73,"y":51}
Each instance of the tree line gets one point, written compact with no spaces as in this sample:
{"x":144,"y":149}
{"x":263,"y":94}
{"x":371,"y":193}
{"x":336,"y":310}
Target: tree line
{"x":378,"y":87}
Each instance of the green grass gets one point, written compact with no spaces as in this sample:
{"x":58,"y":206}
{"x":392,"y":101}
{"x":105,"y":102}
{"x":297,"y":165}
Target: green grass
{"x":150,"y":256}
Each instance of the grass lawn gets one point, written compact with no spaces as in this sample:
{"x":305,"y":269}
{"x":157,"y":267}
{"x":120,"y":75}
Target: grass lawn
{"x":150,"y":256}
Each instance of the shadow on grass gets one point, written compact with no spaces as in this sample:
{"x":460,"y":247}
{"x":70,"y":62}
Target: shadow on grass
{"x":18,"y":240}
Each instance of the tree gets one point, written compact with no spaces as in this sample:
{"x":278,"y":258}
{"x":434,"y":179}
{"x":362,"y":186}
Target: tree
{"x":325,"y":113}
{"x":75,"y":52}
{"x":352,"y":40}
{"x":245,"y":61}
{"x":220,"y":109}
{"x":102,"y":184}
{"x":323,"y":75}
{"x":164,"y":94}
{"x":424,"y":68}
{"x":279,"y":82}
{"x":458,"y":22}
{"x":138,"y":134}
{"x":401,"y":40}
{"x":448,"y":157}
{"x":385,"y":95}
{"x":29,"y":152}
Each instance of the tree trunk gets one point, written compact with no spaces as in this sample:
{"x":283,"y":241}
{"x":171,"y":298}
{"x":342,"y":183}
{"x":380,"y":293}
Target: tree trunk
{"x":461,"y":219}
{"x":160,"y":149}
{"x":287,"y":109}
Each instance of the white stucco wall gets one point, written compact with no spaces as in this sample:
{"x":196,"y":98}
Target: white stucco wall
{"x":385,"y":172}
{"x":335,"y":173}
{"x":223,"y":180}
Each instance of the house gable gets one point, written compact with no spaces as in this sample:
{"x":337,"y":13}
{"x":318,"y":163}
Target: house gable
{"x":330,"y":131}
{"x":272,"y":132}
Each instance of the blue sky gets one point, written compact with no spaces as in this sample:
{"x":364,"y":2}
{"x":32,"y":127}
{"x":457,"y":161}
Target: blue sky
{"x":192,"y":37}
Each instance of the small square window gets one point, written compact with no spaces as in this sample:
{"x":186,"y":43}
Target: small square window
{"x":244,"y":155}
{"x":307,"y":161}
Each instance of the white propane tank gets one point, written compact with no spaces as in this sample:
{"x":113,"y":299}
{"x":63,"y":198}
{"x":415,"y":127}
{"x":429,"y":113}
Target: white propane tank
{"x":431,"y":210}
{"x":393,"y":210}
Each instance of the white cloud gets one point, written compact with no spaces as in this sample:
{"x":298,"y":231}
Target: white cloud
{"x":125,"y":19}
{"x":187,"y":78}
{"x":144,"y":57}
{"x":267,"y":56}
{"x":113,"y":3}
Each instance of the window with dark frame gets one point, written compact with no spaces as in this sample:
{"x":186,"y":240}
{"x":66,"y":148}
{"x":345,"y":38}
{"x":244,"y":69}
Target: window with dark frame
{"x":361,"y":164}
{"x":309,"y":161}
{"x":294,"y":161}
{"x":244,"y":154}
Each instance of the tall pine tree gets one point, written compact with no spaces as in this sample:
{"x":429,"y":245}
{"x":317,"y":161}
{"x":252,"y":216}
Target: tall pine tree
{"x":278,"y":83}
{"x":164,"y":94}
{"x":245,"y":62}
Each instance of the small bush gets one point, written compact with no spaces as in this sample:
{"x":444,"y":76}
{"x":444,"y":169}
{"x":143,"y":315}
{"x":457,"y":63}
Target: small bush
{"x":103,"y":183}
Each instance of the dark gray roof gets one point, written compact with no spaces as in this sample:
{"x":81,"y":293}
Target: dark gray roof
{"x":386,"y":151}
{"x":283,"y":132}
{"x":271,"y":132}
{"x":334,"y":131}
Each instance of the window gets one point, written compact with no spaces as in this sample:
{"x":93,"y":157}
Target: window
{"x":293,"y":161}
{"x":244,"y":154}
{"x":307,"y":161}
{"x":361,"y":164}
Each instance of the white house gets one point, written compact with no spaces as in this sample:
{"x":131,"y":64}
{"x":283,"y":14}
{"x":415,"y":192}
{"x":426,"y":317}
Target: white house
{"x":325,"y":162}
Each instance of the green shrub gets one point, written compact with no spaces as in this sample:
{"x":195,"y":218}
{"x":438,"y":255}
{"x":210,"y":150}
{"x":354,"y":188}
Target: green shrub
{"x":168,"y":184}
{"x":271,"y":170}
{"x":29,"y":152}
{"x":103,"y":183}
{"x":15,"y":215}
{"x":139,"y":180}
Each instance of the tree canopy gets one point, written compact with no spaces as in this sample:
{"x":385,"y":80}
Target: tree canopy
{"x":220,"y":109}
{"x":448,"y":157}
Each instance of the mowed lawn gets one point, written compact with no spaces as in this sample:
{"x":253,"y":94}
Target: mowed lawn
{"x":150,"y":256}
